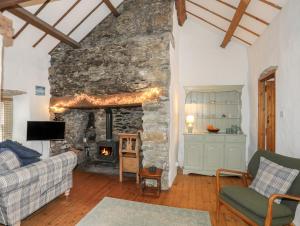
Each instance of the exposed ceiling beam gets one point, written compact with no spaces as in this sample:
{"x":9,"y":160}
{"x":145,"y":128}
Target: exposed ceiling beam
{"x":271,"y":4}
{"x":81,"y":22}
{"x":35,"y":21}
{"x":9,"y":3}
{"x":222,"y":17}
{"x":210,"y":23}
{"x":181,"y":11}
{"x":246,"y":13}
{"x":240,"y":11}
{"x":57,"y":22}
{"x":112,"y":8}
{"x":36,"y":13}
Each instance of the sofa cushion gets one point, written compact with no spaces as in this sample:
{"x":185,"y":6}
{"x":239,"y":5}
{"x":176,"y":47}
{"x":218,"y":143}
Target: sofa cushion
{"x":254,"y":202}
{"x":26,"y":155}
{"x":53,"y":170}
{"x":18,"y":178}
{"x":8,"y":161}
{"x":273,"y":178}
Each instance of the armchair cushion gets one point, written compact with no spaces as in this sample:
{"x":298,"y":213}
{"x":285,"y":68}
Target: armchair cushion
{"x":273,"y":178}
{"x":285,"y":161}
{"x":254,"y":205}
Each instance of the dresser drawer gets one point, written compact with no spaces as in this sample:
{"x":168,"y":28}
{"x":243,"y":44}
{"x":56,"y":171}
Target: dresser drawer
{"x":235,"y":139}
{"x":214,"y":138}
{"x":193,"y":139}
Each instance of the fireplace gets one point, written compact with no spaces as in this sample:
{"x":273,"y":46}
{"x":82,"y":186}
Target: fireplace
{"x":108,"y":149}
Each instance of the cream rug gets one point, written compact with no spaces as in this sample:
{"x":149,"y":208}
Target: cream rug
{"x":117,"y":212}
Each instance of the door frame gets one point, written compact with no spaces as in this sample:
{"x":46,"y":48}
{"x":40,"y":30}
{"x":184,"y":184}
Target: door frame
{"x":269,"y":73}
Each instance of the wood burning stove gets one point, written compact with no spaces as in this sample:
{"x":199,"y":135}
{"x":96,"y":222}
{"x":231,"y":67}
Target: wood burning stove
{"x":108,"y":149}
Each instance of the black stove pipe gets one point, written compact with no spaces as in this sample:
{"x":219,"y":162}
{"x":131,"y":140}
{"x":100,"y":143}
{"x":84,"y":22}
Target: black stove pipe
{"x":109,"y":121}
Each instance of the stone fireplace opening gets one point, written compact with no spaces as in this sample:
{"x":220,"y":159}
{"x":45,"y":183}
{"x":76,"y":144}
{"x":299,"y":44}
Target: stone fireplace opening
{"x":95,"y":132}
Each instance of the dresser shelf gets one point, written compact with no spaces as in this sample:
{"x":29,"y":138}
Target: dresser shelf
{"x":205,"y":152}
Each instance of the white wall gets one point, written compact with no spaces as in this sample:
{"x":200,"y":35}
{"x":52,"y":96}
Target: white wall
{"x":204,"y":62}
{"x":174,"y":100}
{"x":23,"y":69}
{"x":279,"y":46}
{"x":1,"y":52}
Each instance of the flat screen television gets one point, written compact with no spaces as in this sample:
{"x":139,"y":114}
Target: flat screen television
{"x":45,"y":130}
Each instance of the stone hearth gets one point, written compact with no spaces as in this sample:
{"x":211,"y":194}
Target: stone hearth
{"x":127,"y":54}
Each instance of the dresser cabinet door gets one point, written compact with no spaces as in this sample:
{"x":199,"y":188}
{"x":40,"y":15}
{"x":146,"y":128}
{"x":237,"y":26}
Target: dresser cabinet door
{"x":213,"y":157}
{"x":193,"y":156}
{"x":234,"y":157}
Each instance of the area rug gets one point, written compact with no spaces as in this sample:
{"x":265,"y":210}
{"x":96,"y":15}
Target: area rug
{"x":117,"y":212}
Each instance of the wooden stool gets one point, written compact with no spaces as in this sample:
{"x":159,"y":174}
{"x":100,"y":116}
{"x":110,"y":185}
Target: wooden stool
{"x":149,"y":190}
{"x":129,"y":154}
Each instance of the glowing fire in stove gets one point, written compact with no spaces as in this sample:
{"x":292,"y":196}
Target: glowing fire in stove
{"x":105,"y":152}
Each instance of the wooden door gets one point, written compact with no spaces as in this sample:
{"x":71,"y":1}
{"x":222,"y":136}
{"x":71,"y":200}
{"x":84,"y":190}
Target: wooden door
{"x":270,"y":115}
{"x":267,"y":110}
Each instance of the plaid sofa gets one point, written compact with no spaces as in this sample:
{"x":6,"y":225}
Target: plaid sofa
{"x":26,"y":189}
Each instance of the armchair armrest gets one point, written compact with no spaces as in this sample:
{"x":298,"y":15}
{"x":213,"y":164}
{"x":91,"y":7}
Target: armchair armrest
{"x":227,"y":171}
{"x":268,"y":221}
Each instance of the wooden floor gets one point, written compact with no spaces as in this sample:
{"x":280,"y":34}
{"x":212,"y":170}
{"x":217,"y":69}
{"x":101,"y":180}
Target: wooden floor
{"x":193,"y":192}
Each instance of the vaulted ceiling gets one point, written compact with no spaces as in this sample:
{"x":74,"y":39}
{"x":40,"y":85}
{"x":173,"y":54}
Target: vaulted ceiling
{"x":243,"y":20}
{"x":43,"y":24}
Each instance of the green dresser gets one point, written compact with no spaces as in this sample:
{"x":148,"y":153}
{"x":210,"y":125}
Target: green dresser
{"x":205,"y":153}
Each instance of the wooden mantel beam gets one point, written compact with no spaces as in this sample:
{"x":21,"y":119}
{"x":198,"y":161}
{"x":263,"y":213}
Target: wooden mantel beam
{"x":9,"y":3}
{"x":47,"y":28}
{"x":112,"y":8}
{"x":181,"y":11}
{"x":240,"y":11}
{"x":84,"y":101}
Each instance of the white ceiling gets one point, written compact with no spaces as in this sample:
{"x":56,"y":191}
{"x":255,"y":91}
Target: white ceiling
{"x":56,"y":8}
{"x":52,"y":12}
{"x":256,"y":8}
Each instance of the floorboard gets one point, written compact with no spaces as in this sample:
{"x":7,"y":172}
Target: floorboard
{"x":192,"y":191}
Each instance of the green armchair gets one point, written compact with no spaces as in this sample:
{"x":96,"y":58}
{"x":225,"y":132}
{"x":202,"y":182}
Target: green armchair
{"x":252,"y":207}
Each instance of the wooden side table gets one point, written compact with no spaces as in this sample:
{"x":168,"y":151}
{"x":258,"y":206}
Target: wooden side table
{"x":149,"y":190}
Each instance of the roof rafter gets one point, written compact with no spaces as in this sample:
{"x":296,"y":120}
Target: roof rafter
{"x":9,"y":3}
{"x":40,"y":24}
{"x":210,"y":23}
{"x":36,"y":13}
{"x":112,"y":8}
{"x":81,"y":22}
{"x":57,"y":22}
{"x":181,"y":11}
{"x":224,"y":18}
{"x":246,"y":13}
{"x":271,"y":4}
{"x":240,"y":11}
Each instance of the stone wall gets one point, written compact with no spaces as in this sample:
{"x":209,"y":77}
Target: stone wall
{"x":124,"y":54}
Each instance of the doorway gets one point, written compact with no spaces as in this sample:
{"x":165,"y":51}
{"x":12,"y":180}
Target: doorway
{"x":267,"y":110}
